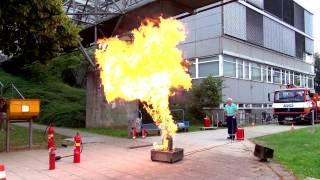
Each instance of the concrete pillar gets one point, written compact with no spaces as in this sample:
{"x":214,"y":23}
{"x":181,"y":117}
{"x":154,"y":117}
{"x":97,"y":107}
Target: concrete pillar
{"x":99,"y":113}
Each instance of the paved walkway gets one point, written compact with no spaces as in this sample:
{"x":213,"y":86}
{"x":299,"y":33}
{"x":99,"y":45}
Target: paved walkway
{"x":208,"y":155}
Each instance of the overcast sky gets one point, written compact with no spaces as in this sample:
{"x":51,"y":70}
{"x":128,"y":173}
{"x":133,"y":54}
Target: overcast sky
{"x":314,"y":7}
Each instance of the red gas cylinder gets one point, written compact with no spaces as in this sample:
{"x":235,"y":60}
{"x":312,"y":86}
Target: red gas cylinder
{"x":240,"y":134}
{"x":134,"y":133}
{"x":144,"y":132}
{"x":77,"y":148}
{"x":50,"y":137}
{"x":206,"y":121}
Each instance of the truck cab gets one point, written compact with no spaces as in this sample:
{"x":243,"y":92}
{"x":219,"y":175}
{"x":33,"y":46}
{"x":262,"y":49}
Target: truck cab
{"x":292,"y":104}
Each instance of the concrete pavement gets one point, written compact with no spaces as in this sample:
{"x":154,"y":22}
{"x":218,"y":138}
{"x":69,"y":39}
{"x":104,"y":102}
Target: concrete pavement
{"x":208,"y":155}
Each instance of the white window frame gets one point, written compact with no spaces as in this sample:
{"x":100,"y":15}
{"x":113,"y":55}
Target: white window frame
{"x":204,"y":62}
{"x":197,"y":67}
{"x":245,"y":64}
{"x":250,"y":69}
{"x":273,"y":72}
{"x":235,"y":62}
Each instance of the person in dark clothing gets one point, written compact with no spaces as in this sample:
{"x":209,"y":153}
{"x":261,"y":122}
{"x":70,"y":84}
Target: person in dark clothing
{"x":3,"y":113}
{"x":230,"y":112}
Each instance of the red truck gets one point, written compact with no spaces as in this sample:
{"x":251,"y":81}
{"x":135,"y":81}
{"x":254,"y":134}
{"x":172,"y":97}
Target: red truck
{"x":293,"y":104}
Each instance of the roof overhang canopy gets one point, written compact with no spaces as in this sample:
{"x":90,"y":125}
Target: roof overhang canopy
{"x":112,"y":17}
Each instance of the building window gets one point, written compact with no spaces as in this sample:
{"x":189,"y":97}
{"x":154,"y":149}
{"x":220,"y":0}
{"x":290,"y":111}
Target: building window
{"x":288,"y":12}
{"x":269,"y":74}
{"x":303,"y":81}
{"x":300,"y":45}
{"x":255,"y":72}
{"x":287,"y":78}
{"x":283,"y":77}
{"x":298,"y":17}
{"x":308,"y":21}
{"x":229,"y":66}
{"x":208,"y":67}
{"x":240,"y":68}
{"x":291,"y":78}
{"x":256,"y":105}
{"x":310,"y":82}
{"x":276,"y":76}
{"x":297,"y":80}
{"x":264,"y":73}
{"x":246,"y":70}
{"x":192,"y":70}
{"x":274,"y":7}
{"x":254,"y":27}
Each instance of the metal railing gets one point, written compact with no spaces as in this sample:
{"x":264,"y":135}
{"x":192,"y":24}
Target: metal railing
{"x":246,"y":118}
{"x":1,"y":88}
{"x":16,"y":89}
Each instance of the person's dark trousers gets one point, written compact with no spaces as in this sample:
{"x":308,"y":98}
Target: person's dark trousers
{"x":232,"y":126}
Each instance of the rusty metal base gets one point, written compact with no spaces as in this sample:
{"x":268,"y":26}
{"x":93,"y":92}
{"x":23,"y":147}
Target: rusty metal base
{"x":167,"y":156}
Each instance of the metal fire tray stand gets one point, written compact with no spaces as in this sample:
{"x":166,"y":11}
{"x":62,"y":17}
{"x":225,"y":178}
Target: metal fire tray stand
{"x":170,"y":156}
{"x":8,"y":132}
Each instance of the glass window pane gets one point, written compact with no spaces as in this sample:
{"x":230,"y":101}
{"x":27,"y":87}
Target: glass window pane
{"x":192,"y":70}
{"x":303,"y":81}
{"x":246,"y":75}
{"x":240,"y":69}
{"x":207,"y":69}
{"x":229,"y":66}
{"x":255,"y":72}
{"x":283,"y":77}
{"x":287,"y":77}
{"x":297,"y":79}
{"x":291,"y":78}
{"x":264,"y":74}
{"x":276,"y":76}
{"x":310,"y":82}
{"x":269,"y":74}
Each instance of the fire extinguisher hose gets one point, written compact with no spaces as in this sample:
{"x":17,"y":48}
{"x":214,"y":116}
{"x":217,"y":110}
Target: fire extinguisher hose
{"x":61,"y":157}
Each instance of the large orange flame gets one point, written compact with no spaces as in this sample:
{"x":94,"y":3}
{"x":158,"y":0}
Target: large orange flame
{"x":146,"y":69}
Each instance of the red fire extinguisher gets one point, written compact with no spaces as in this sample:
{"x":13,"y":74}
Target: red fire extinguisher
{"x":144,"y":132}
{"x":134,"y":133}
{"x":50,"y":137}
{"x":206,"y":121}
{"x":52,"y":158}
{"x":77,"y":148}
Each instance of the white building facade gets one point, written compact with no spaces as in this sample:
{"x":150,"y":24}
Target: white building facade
{"x":254,"y":45}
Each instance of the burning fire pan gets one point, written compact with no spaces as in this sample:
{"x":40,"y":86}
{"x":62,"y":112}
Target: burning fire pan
{"x":172,"y":156}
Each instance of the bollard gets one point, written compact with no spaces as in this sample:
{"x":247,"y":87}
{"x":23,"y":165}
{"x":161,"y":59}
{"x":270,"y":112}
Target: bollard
{"x":2,"y":172}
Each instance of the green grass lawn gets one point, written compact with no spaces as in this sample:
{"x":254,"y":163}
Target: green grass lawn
{"x":19,"y":139}
{"x":195,"y":127}
{"x":123,"y":131}
{"x":115,"y":132}
{"x":298,"y":151}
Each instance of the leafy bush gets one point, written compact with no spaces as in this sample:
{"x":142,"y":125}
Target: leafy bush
{"x":206,"y":94}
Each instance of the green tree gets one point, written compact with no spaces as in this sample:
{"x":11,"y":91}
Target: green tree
{"x":35,"y":30}
{"x":317,"y":71}
{"x":206,"y":94}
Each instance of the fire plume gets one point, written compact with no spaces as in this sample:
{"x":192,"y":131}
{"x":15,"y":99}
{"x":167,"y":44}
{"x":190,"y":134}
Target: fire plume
{"x":146,"y":69}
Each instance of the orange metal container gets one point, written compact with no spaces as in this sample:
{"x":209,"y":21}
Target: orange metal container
{"x":23,"y":109}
